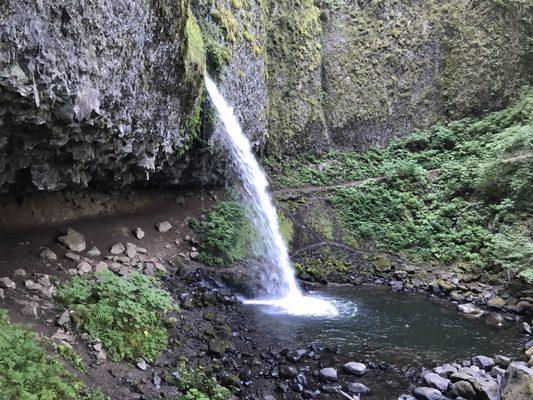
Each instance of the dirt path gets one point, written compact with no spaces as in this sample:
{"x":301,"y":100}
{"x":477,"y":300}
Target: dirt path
{"x":359,"y":182}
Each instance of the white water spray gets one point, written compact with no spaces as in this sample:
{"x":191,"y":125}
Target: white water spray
{"x":281,"y":280}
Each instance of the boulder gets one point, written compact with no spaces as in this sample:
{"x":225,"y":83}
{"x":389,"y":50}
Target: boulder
{"x":487,"y":389}
{"x":328,"y":374}
{"x":464,"y":389}
{"x":139,"y":233}
{"x":436,"y":381}
{"x":48,"y":254}
{"x":470,"y":310}
{"x":357,"y":388}
{"x":287,"y":372}
{"x":497,"y":302}
{"x":7,"y":283}
{"x":74,"y":241}
{"x":517,"y":383}
{"x":483,"y":362}
{"x":118,"y":248}
{"x":427,"y":393}
{"x":445,"y":370}
{"x":164,"y":226}
{"x":355,"y":368}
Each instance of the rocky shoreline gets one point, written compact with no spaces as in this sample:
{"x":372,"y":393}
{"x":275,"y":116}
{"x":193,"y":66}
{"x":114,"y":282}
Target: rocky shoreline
{"x":215,"y":332}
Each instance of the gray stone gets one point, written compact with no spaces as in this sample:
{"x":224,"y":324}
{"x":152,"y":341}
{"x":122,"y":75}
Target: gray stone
{"x":502,"y":361}
{"x":401,"y":274}
{"x":31,"y":310}
{"x":118,"y":248}
{"x":94,"y":252}
{"x":164,"y":226}
{"x":2,"y":295}
{"x":48,"y":255}
{"x":517,"y":383}
{"x":328,"y":374}
{"x":496,"y":371}
{"x":355,"y":368}
{"x":131,"y":250}
{"x":483,"y":362}
{"x":357,"y":388}
{"x":73,"y":257}
{"x":331,"y":388}
{"x":526,"y":328}
{"x":84,"y":268}
{"x":288,"y":372}
{"x":139,"y":233}
{"x":20,"y":273}
{"x":464,"y":389}
{"x":73,"y":240}
{"x":141,"y":364}
{"x":487,"y":389}
{"x":436,"y":381}
{"x":427,"y":393}
{"x":64,"y":318}
{"x":470,"y":310}
{"x":445,"y":370}
{"x":100,"y":266}
{"x":7,"y":283}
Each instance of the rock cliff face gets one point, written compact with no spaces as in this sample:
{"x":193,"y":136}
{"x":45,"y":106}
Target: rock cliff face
{"x":109,"y":93}
{"x":352,"y":74}
{"x":96,"y":93}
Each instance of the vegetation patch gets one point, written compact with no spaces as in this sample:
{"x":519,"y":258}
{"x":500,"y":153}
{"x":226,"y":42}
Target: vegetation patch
{"x":197,"y":385}
{"x":28,"y":372}
{"x":460,"y":192}
{"x":322,"y":265}
{"x":127,"y":315}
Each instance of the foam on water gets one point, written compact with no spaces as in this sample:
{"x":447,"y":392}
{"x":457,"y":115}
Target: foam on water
{"x":279,"y":279}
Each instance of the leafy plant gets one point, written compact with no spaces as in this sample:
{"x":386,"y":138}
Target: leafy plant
{"x":197,"y":385}
{"x":125,"y":314}
{"x":27,"y":372}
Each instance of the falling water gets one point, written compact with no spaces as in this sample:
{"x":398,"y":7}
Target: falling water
{"x":283,"y":289}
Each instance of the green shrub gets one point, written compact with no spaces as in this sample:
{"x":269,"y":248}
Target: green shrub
{"x":27,"y":372}
{"x":197,"y":385}
{"x":125,"y":314}
{"x":226,"y":235}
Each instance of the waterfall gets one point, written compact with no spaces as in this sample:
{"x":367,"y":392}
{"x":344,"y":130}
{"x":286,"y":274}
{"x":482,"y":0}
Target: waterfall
{"x":280,"y":281}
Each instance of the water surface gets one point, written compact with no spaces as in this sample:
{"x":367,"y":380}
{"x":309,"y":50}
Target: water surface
{"x":400,"y":328}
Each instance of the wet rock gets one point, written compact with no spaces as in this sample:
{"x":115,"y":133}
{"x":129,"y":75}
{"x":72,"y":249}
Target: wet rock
{"x":7,"y":283}
{"x":526,"y":328}
{"x":401,"y":274}
{"x":64,"y":318}
{"x":328,"y":374}
{"x":139,"y":233}
{"x":470,"y":310}
{"x":295,"y":355}
{"x":496,"y":372}
{"x":357,"y":388}
{"x":427,"y":393}
{"x":445,"y":370}
{"x":483,"y":362}
{"x":94,"y":252}
{"x":502,"y":361}
{"x":436,"y":381}
{"x":517,"y":383}
{"x":464,"y":389}
{"x":118,"y":248}
{"x":164,"y":226}
{"x":73,"y":240}
{"x":355,"y":368}
{"x":218,"y":346}
{"x":48,"y":254}
{"x":287,"y":372}
{"x":487,"y":389}
{"x":331,"y":388}
{"x":230,"y":381}
{"x":497,"y":303}
{"x":309,"y":394}
{"x":2,"y":294}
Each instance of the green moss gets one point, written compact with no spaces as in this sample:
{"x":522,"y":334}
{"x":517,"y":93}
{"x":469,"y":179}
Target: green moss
{"x":227,"y":21}
{"x":321,"y":223}
{"x":286,"y":227}
{"x":322,"y":266}
{"x":195,"y":44}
